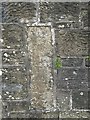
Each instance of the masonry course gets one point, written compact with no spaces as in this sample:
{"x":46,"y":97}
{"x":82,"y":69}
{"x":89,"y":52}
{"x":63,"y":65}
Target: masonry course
{"x":31,"y":86}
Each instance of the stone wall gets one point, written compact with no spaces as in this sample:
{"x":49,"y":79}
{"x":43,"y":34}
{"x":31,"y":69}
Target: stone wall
{"x":33,"y":36}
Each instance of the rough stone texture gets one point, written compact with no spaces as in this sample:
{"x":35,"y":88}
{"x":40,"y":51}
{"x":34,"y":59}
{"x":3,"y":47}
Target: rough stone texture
{"x":59,"y":12}
{"x":0,"y":109}
{"x":83,"y":17}
{"x":67,"y":115}
{"x":33,"y":34}
{"x":13,"y":57}
{"x":15,"y":83}
{"x":72,"y":78}
{"x":71,"y":43}
{"x":13,"y":36}
{"x":19,"y":12}
{"x":63,"y":102}
{"x":40,"y":48}
{"x":80,"y":99}
{"x":72,"y":62}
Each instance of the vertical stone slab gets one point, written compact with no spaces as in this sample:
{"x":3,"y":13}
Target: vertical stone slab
{"x":40,"y":49}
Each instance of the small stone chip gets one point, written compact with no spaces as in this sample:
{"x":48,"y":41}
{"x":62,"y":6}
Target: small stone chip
{"x":81,"y":93}
{"x":0,"y":72}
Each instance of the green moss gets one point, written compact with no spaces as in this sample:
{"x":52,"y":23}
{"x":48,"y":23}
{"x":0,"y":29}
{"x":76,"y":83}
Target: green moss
{"x":88,"y":57}
{"x":58,"y":63}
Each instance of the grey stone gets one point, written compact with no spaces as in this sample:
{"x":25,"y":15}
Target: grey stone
{"x":78,"y":84}
{"x":88,"y":77}
{"x":13,"y":57}
{"x":15,"y":109}
{"x":50,"y":115}
{"x":83,"y":15}
{"x":80,"y":99}
{"x":63,"y":100}
{"x":15,"y":106}
{"x":72,"y":62}
{"x":61,"y":84}
{"x":19,"y":115}
{"x":29,"y":89}
{"x":89,"y":100}
{"x":74,"y":115}
{"x":40,"y":50}
{"x":72,"y":73}
{"x":0,"y":13}
{"x":56,"y":12}
{"x":15,"y":85}
{"x":72,"y":78}
{"x":71,"y":43}
{"x":18,"y":12}
{"x":13,"y":36}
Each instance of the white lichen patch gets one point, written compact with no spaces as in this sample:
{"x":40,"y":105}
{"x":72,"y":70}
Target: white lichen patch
{"x":0,"y":72}
{"x":40,"y":48}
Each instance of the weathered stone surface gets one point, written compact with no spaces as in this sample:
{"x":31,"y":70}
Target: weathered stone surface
{"x":88,"y":78}
{"x":12,"y":36}
{"x":72,"y":62}
{"x":61,"y":84}
{"x":40,"y":48}
{"x":1,"y":108}
{"x":72,"y":73}
{"x":80,"y":99}
{"x":16,"y":106}
{"x":78,"y":84}
{"x":13,"y":57}
{"x":21,"y":12}
{"x":31,"y":88}
{"x":89,"y":100}
{"x":67,"y":115}
{"x":0,"y":13}
{"x":19,"y":115}
{"x":63,"y":100}
{"x":83,"y":16}
{"x":71,"y":43}
{"x":57,"y":12}
{"x":15,"y":83}
{"x":50,"y":115}
{"x":72,"y":78}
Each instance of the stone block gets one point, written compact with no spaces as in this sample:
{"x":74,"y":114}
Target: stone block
{"x":0,"y":13}
{"x":72,"y":62}
{"x":59,"y":12}
{"x":78,"y":84}
{"x":40,"y":50}
{"x":15,"y":83}
{"x":80,"y":99}
{"x":72,"y":73}
{"x":18,"y":12}
{"x":15,"y":109}
{"x":83,"y":18}
{"x":13,"y":57}
{"x":72,"y":78}
{"x":71,"y":43}
{"x":63,"y":100}
{"x":13,"y":37}
{"x":74,"y":115}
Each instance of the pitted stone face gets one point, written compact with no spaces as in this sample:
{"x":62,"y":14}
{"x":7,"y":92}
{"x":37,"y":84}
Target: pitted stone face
{"x":39,"y":45}
{"x":21,"y":12}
